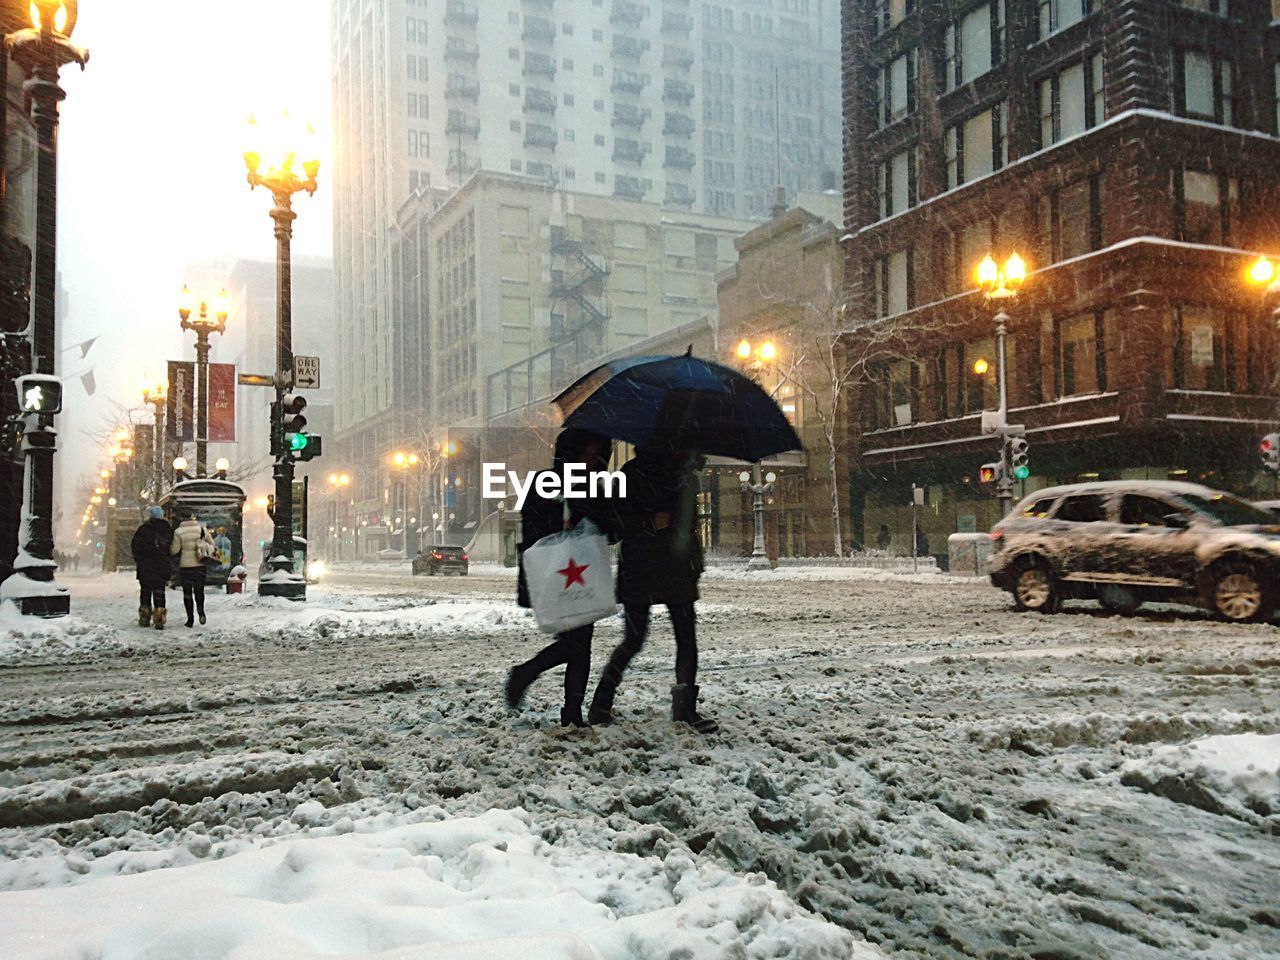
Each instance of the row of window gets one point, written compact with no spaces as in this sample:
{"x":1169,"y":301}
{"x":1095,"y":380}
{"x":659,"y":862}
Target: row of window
{"x":1052,"y":16}
{"x":1072,"y":356}
{"x":1067,"y":222}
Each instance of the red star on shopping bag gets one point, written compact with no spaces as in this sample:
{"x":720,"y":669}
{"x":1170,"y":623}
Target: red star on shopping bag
{"x":573,"y":573}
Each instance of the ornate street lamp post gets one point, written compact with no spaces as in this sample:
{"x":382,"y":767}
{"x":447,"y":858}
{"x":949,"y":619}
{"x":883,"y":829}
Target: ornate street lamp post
{"x":41,"y":51}
{"x":410,"y":462}
{"x":338,"y":483}
{"x":204,"y":328}
{"x":157,"y":395}
{"x":1000,"y":284}
{"x":274,"y":169}
{"x":754,"y":360}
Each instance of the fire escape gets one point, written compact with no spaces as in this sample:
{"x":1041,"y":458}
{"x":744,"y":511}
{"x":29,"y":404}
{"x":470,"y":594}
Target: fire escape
{"x":577,"y":283}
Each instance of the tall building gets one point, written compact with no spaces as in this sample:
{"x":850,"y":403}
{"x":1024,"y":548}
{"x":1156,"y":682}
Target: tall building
{"x":506,"y":292}
{"x":669,"y":102}
{"x":1128,"y":150}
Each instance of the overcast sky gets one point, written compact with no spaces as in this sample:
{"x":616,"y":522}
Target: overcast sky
{"x":151,"y":176}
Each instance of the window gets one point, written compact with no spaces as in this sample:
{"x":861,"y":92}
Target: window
{"x":1275,"y":10}
{"x":413,"y":104}
{"x":1140,"y":511}
{"x":514,"y":125}
{"x":904,"y":392}
{"x":599,"y":140}
{"x":513,"y":89}
{"x":1058,"y":14}
{"x":896,"y":183}
{"x":1206,"y":207}
{"x":1071,"y":101}
{"x":1070,"y":220}
{"x":896,"y":89}
{"x":1082,"y":508}
{"x":1208,"y":6}
{"x":977,"y":146}
{"x":890,"y":13}
{"x":1204,"y":349}
{"x":974,"y":43}
{"x":568,"y":99}
{"x":1038,"y":509}
{"x":413,"y":143}
{"x":891,"y":276}
{"x":1081,"y":355}
{"x":1203,"y":87}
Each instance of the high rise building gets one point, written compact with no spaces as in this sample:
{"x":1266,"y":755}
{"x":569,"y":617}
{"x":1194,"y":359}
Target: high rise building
{"x":1128,"y":150}
{"x":669,"y":102}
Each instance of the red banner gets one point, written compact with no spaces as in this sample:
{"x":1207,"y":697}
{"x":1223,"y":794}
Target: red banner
{"x":181,"y":415}
{"x":222,"y":403}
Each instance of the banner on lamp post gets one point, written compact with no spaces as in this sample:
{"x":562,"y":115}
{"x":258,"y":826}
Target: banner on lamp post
{"x":222,"y":403}
{"x":181,"y":414}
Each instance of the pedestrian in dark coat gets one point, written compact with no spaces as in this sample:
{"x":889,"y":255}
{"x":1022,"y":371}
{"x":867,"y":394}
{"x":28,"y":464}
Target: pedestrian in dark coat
{"x":150,"y":549}
{"x":542,"y":517}
{"x":661,"y":562}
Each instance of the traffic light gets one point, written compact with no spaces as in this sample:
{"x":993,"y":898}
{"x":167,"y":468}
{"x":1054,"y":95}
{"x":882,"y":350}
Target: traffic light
{"x":1269,"y":450}
{"x":989,"y":473}
{"x":1019,"y":461}
{"x":310,"y":447}
{"x":293,"y":424}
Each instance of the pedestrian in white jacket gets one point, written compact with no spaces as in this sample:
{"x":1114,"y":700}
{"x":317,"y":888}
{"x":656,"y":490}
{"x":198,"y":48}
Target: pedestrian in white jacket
{"x":191,"y":569}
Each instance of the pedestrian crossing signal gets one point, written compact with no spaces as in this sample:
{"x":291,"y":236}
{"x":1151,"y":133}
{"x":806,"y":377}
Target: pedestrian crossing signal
{"x":39,"y":394}
{"x":1269,"y":451}
{"x":989,"y":473}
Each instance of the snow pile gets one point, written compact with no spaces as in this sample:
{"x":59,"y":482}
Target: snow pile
{"x":1235,"y":774}
{"x":31,"y":637}
{"x":452,"y":889}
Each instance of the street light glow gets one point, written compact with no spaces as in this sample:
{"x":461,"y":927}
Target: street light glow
{"x":1262,"y":271}
{"x":222,"y":465}
{"x":980,"y":366}
{"x":768,"y":351}
{"x":180,"y":463}
{"x":59,"y":15}
{"x":744,"y":349}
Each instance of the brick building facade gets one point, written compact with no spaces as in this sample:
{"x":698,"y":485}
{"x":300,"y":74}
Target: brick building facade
{"x":1128,"y":150}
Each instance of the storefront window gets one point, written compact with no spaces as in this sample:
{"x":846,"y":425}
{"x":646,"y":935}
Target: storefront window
{"x":1201,"y":350}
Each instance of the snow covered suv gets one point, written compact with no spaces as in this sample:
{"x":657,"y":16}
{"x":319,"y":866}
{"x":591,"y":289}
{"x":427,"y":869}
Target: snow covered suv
{"x":1124,"y":543}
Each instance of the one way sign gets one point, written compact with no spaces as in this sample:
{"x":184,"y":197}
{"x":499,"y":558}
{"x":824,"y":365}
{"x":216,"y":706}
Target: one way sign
{"x":306,"y":372}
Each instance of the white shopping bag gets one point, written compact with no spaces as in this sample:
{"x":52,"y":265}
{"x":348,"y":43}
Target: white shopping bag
{"x":570,"y":580}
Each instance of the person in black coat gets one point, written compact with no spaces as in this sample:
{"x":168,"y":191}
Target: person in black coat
{"x":541,"y":517}
{"x":150,"y":549}
{"x":661,"y":562}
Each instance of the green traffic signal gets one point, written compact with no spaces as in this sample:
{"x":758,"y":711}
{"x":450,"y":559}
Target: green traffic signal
{"x":1021,"y":472}
{"x":298,"y":442}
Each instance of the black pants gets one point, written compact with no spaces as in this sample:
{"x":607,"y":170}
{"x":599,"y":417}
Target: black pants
{"x":636,"y":631}
{"x":151,"y":594}
{"x":573,"y":649}
{"x":192,"y":579}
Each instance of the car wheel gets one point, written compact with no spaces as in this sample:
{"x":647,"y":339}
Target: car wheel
{"x":1117,"y":599}
{"x":1034,"y":588}
{"x":1238,"y":593}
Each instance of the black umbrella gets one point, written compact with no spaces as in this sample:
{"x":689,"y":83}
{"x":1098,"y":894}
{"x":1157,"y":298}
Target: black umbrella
{"x":681,"y":402}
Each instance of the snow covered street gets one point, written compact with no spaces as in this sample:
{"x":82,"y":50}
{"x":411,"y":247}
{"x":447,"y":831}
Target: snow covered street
{"x":907,"y":768}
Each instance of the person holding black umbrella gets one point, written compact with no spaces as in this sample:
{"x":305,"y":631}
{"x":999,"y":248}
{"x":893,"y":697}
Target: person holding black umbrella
{"x":661,"y":562}
{"x":542,"y":517}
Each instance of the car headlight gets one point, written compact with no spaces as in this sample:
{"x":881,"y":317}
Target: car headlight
{"x":315,"y":568}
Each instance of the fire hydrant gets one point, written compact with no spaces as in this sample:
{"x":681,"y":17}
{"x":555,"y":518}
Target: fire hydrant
{"x":236,"y":579}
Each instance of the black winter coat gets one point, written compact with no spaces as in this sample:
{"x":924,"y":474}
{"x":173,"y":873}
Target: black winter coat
{"x":150,"y":548}
{"x":659,"y":566}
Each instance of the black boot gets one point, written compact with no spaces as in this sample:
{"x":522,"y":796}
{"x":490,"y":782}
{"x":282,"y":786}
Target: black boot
{"x":518,"y":681}
{"x":684,"y":709}
{"x":571,"y":716}
{"x":600,"y":713}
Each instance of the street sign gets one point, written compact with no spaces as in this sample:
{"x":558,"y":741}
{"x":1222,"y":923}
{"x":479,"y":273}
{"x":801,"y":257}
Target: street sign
{"x":306,"y":372}
{"x":256,"y":380}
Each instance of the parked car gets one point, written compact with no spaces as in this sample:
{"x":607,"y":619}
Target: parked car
{"x":441,"y":559}
{"x":1271,"y":506}
{"x":1124,"y":543}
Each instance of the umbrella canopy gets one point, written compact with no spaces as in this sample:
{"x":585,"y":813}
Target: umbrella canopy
{"x":682,"y":402}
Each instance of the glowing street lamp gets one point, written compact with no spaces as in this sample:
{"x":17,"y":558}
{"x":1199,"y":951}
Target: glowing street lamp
{"x":1000,"y":284}
{"x":754,"y":358}
{"x":270,"y":157}
{"x":41,"y":51}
